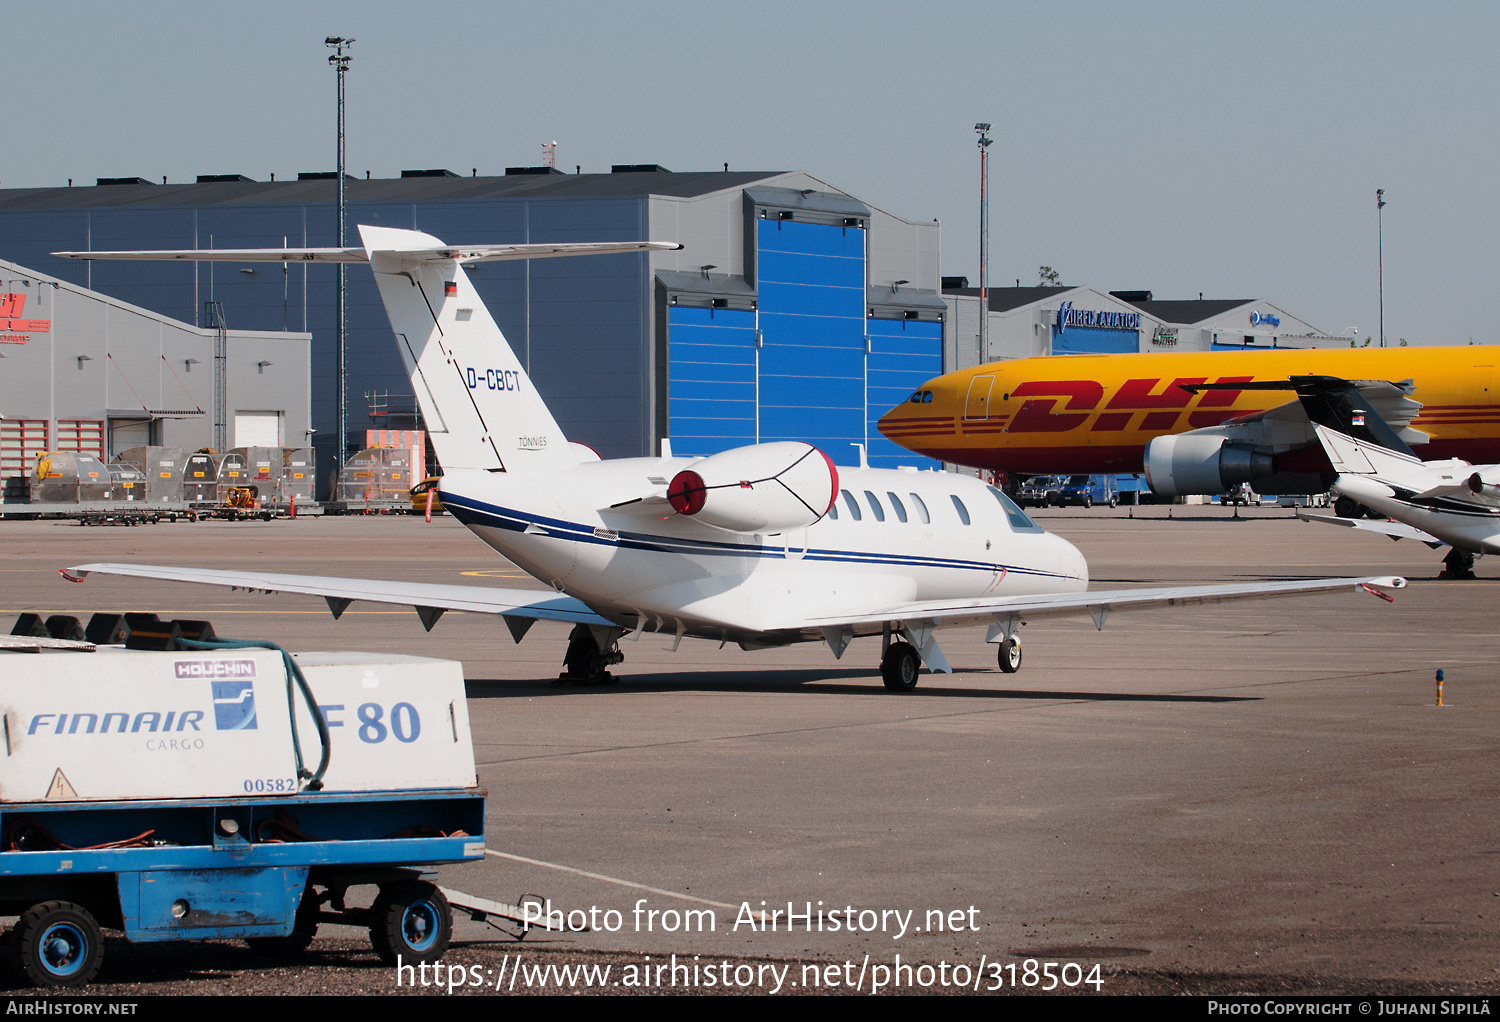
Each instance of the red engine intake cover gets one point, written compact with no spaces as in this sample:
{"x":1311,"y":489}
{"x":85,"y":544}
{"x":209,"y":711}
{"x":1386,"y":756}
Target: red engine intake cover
{"x":687,"y":492}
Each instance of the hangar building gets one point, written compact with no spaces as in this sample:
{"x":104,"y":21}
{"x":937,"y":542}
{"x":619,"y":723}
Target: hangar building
{"x":83,"y":371}
{"x":795,"y":311}
{"x":1027,"y":321}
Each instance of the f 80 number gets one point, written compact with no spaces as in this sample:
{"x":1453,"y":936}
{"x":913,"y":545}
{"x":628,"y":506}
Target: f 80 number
{"x":405,"y":724}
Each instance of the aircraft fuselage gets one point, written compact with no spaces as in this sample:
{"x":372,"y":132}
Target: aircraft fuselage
{"x":1096,"y":413}
{"x":676,"y":574}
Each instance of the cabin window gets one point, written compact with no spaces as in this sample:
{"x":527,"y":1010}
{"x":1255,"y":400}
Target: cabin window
{"x":921,"y":509}
{"x":1020,"y":521}
{"x":852,"y":505}
{"x":897,"y":506}
{"x":958,"y":505}
{"x":833,"y":510}
{"x":875,"y":508}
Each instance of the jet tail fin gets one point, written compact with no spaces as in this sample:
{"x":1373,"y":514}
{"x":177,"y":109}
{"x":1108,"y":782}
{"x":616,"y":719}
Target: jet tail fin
{"x":1352,"y":456}
{"x":479,"y":405}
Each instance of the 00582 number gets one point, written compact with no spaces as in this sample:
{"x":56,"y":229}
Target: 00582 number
{"x":263,"y":784}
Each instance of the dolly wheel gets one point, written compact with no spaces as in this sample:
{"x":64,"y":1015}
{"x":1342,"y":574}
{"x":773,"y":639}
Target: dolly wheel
{"x":412,"y":920}
{"x":57,"y":944}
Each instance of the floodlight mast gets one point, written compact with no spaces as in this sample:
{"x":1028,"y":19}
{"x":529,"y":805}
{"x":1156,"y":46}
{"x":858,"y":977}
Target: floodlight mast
{"x":339,"y":59}
{"x":1380,"y":254}
{"x":984,"y":241}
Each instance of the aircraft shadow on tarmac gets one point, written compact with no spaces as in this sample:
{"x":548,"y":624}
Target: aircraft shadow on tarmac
{"x":852,"y":681}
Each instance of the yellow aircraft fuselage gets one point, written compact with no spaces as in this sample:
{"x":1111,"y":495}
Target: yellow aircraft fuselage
{"x":1096,"y":413}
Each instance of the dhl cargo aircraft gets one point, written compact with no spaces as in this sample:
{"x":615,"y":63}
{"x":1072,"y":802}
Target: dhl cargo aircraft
{"x":1128,"y":413}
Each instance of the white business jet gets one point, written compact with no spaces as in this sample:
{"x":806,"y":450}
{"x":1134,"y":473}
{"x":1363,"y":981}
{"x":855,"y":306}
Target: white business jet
{"x":761,"y":545}
{"x":1436,"y":502}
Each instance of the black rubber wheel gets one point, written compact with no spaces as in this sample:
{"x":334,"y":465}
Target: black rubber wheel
{"x":1114,"y":502}
{"x":900,"y":667}
{"x":411,"y":920}
{"x":1088,"y":501}
{"x":57,"y":944}
{"x":1347,"y":507}
{"x":1009,"y":655}
{"x":1458,"y":564}
{"x":583,"y":659}
{"x":304,"y":929}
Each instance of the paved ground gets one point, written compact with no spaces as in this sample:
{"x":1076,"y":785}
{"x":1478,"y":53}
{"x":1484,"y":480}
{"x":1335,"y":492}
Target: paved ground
{"x":1258,"y":797}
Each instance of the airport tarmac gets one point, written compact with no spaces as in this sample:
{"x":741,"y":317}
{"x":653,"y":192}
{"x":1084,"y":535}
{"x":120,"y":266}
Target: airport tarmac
{"x":1254,"y":797}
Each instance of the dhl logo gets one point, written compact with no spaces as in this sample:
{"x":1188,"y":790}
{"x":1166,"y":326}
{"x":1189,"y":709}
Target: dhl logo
{"x":11,"y":308}
{"x":1058,"y":406}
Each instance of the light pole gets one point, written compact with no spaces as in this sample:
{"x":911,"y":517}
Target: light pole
{"x":984,"y":240}
{"x":339,"y":59}
{"x":1380,"y":254}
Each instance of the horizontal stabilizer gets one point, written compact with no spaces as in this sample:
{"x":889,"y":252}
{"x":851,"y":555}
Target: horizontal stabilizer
{"x":445,"y":253}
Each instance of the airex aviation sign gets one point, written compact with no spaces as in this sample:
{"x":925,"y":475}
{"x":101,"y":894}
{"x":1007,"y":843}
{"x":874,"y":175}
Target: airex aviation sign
{"x":1096,"y":320}
{"x":11,"y":307}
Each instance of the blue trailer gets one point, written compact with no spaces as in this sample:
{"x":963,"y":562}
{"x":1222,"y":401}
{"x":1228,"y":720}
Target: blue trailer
{"x":264,"y":870}
{"x":162,"y":791}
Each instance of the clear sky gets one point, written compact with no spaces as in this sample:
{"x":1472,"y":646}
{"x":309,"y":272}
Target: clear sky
{"x":1227,"y":148}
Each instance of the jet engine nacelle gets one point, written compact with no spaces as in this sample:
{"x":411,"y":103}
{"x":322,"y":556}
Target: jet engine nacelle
{"x":1188,"y":463}
{"x":765,"y":488}
{"x":1484,"y":487}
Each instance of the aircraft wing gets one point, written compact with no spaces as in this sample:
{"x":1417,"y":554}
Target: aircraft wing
{"x":1395,"y":530}
{"x":1289,"y":424}
{"x":430,"y":601}
{"x":468,"y":254}
{"x":1100,"y":603}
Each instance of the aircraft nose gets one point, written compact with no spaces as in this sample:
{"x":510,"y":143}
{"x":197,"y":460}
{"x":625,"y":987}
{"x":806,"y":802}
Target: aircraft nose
{"x":1070,"y":561}
{"x":919,"y":422}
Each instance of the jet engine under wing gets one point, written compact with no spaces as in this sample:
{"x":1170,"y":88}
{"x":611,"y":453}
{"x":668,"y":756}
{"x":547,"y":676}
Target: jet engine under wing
{"x":1101,"y":603}
{"x":429,"y":600}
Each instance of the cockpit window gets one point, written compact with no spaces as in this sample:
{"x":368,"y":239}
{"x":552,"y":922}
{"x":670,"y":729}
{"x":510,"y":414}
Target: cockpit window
{"x":921,"y":397}
{"x":927,"y":397}
{"x":1019,"y":520}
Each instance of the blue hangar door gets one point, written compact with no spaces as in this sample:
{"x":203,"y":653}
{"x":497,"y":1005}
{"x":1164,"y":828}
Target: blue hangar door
{"x":811,"y":279}
{"x":711,"y":403}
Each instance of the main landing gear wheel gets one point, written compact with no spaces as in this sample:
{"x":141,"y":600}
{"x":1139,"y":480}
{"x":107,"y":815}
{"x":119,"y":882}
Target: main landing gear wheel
{"x":1010,"y":655}
{"x":1348,"y":507}
{"x":410,"y":919}
{"x":900,"y":667}
{"x":584,"y":660}
{"x":57,"y":944}
{"x":1459,"y":564}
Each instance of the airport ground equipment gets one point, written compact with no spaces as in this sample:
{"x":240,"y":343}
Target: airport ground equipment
{"x":149,"y":483}
{"x":179,"y":790}
{"x":378,"y":480}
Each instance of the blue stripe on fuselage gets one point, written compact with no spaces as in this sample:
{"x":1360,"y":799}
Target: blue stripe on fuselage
{"x":473,"y":512}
